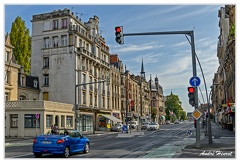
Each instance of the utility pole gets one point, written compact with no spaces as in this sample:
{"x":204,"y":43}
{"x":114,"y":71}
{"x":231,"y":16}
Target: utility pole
{"x":126,"y":86}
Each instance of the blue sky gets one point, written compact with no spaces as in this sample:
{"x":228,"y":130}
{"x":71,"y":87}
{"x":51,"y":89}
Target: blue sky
{"x":167,"y":56}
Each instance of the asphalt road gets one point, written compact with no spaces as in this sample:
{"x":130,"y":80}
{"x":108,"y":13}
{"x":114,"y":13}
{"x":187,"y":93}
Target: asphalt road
{"x":111,"y":146}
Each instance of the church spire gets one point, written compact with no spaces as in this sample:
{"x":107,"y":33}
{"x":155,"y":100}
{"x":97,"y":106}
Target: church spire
{"x":142,"y":71}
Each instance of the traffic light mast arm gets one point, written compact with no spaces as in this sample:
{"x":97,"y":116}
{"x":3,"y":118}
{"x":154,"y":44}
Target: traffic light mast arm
{"x":102,"y":81}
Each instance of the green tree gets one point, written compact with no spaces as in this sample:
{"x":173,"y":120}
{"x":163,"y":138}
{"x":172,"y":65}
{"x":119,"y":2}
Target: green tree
{"x":173,"y":104}
{"x":183,"y":115}
{"x":21,"y":40}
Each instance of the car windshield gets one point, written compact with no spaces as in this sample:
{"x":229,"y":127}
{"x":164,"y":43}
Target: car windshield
{"x":59,"y":131}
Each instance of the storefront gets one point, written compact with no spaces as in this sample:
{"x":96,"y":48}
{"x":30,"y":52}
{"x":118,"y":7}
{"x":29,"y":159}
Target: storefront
{"x":230,"y":113}
{"x":106,"y":120}
{"x":85,"y":123}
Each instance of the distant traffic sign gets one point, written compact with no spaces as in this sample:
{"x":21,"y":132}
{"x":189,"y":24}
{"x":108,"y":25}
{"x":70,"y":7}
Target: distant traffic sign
{"x":196,"y":114}
{"x":195,"y":81}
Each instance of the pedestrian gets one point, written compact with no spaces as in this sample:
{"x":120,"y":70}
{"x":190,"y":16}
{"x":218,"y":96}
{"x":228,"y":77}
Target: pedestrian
{"x":52,"y":129}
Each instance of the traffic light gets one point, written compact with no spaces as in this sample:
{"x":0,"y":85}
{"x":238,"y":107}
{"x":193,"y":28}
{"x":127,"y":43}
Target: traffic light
{"x":195,"y":123}
{"x":191,"y":91}
{"x":119,"y":34}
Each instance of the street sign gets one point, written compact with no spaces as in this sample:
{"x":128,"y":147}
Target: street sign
{"x":195,"y":81}
{"x":124,"y":128}
{"x":37,"y":116}
{"x":196,"y":114}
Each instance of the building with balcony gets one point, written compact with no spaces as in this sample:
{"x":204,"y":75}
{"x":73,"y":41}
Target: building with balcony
{"x":68,"y":53}
{"x":116,"y":69}
{"x":33,"y":117}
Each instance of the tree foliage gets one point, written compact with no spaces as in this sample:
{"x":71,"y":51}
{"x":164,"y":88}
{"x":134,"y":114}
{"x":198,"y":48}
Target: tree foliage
{"x":21,"y":40}
{"x":173,"y":104}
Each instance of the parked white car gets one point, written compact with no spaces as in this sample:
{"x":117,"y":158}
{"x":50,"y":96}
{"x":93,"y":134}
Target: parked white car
{"x":153,"y":126}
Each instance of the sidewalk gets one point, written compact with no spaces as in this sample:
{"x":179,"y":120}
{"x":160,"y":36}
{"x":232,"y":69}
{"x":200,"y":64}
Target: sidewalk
{"x":223,"y":145}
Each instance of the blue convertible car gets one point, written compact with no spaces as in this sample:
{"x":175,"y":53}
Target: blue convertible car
{"x":62,"y":143}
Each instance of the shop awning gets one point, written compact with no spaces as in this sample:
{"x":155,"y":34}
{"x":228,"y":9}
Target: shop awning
{"x":112,"y":118}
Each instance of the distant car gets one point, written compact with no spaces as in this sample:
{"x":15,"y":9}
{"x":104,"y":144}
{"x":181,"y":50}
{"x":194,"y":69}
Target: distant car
{"x":63,"y":143}
{"x":153,"y":126}
{"x":133,"y":124}
{"x":176,"y":122}
{"x":144,"y":125}
{"x":117,"y":127}
{"x":168,"y":122}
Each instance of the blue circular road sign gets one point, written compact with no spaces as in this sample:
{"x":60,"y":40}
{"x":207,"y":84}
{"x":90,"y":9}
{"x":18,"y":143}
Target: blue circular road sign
{"x":195,"y":81}
{"x":124,"y":128}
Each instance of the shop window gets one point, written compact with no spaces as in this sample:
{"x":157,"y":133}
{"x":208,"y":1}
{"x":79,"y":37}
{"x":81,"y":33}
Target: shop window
{"x":30,"y":121}
{"x":49,"y":120}
{"x":69,"y":122}
{"x":13,"y":120}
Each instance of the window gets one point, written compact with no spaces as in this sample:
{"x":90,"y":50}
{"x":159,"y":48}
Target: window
{"x":49,"y":120}
{"x":91,"y":100}
{"x":80,"y":43}
{"x":7,"y":56}
{"x":46,"y":25}
{"x":7,"y":73}
{"x":69,"y":122}
{"x":45,"y":96}
{"x":103,"y":100}
{"x":95,"y":100}
{"x":64,"y":40}
{"x":13,"y":120}
{"x":46,"y":43}
{"x":84,"y":97}
{"x":64,"y":23}
{"x":83,"y":78}
{"x":55,"y":41}
{"x":87,"y":48}
{"x":46,"y":79}
{"x":22,"y":81}
{"x":30,"y":121}
{"x":55,"y":24}
{"x":45,"y":62}
{"x":6,"y":96}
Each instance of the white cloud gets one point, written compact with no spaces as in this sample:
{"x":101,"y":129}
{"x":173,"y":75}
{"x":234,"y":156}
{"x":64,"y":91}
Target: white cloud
{"x":135,"y":48}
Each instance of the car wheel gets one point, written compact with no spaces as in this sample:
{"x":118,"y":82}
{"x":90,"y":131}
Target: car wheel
{"x":86,"y":148}
{"x":66,"y":152}
{"x":38,"y":155}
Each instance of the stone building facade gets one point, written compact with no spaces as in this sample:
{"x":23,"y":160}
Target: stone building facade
{"x":11,"y":72}
{"x":223,"y":86}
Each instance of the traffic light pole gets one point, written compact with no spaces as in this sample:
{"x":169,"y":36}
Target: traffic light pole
{"x":196,"y":90}
{"x":191,"y":34}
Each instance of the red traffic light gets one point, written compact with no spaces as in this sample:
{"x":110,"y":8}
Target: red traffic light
{"x":191,"y":89}
{"x":118,"y":29}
